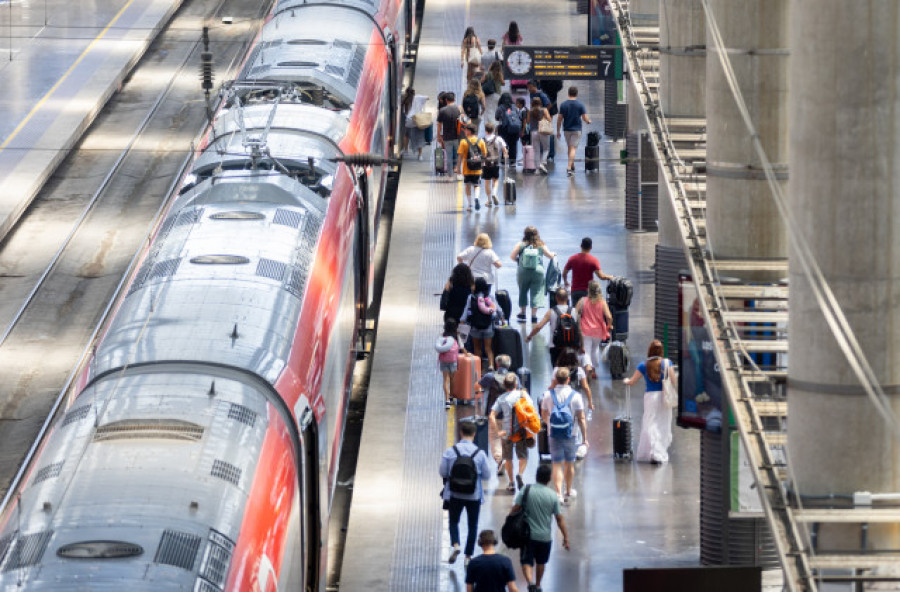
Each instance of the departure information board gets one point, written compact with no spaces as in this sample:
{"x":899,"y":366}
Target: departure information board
{"x":561,"y":63}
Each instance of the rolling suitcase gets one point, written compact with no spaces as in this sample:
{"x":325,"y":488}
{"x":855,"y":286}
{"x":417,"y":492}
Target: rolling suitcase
{"x":509,"y":341}
{"x":591,"y":158}
{"x":622,"y":430}
{"x":620,"y":323}
{"x":618,"y":359}
{"x":528,"y":165}
{"x":524,"y":375}
{"x":509,"y":188}
{"x":505,"y":304}
{"x":440,"y":160}
{"x":543,"y":441}
{"x":465,"y":380}
{"x":481,"y":431}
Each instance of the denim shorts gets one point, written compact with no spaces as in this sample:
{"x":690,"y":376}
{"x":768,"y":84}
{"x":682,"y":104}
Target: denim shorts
{"x":563,"y":449}
{"x":448,"y":367}
{"x":482,"y":333}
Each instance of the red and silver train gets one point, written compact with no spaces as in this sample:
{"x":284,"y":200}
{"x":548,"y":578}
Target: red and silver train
{"x":199,"y":451}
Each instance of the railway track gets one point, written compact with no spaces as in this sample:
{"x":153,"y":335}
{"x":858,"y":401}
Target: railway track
{"x":66,"y":259}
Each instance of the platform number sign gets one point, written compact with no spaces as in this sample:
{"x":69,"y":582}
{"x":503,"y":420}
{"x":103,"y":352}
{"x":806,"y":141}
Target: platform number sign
{"x":561,"y":63}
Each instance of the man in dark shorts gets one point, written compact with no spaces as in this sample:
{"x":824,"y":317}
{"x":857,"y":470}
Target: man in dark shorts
{"x":584,"y":267}
{"x":490,"y":572}
{"x":496,"y":153}
{"x":540,"y":508}
{"x":472,"y":153}
{"x":571,"y":115}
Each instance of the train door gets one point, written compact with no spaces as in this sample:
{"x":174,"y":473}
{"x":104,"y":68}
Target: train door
{"x":312,"y":526}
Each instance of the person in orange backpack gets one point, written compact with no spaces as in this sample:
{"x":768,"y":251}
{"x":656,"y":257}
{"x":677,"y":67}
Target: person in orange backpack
{"x":504,"y":411}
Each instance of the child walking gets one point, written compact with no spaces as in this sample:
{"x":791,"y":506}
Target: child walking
{"x":448,"y":348}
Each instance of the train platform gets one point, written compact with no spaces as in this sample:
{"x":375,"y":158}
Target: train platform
{"x":58,"y":66}
{"x":627,"y":514}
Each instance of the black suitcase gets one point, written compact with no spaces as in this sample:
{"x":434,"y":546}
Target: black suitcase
{"x":543,"y":445}
{"x":505,"y":304}
{"x":509,"y":341}
{"x":591,"y":158}
{"x":524,"y":375}
{"x":618,"y":359}
{"x":622,"y":430}
{"x":509,"y":190}
{"x":481,"y":433}
{"x":620,"y":323}
{"x":619,"y":291}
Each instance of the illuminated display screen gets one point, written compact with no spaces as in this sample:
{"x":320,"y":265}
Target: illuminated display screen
{"x":560,"y":63}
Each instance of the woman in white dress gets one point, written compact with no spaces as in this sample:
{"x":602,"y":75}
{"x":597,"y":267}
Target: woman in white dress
{"x":656,"y":425}
{"x":481,"y":259}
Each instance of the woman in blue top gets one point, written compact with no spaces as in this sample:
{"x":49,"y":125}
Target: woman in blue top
{"x":528,"y":254}
{"x":656,"y":425}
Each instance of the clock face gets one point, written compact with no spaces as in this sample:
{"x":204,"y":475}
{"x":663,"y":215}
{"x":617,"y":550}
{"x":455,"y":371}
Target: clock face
{"x":519,"y":62}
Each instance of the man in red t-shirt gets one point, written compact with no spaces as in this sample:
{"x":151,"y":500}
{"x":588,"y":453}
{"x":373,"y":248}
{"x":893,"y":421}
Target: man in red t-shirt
{"x":584,"y":266}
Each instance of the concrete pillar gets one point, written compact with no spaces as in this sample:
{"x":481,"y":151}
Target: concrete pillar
{"x":742,"y":220}
{"x":844,"y":188}
{"x":682,"y":64}
{"x":644,"y":12}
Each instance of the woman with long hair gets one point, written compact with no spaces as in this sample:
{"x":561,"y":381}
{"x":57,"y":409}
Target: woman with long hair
{"x":595,"y":320}
{"x":479,"y":314}
{"x":470,"y":52}
{"x":512,"y":35}
{"x":414,"y":139}
{"x":541,"y":142}
{"x":473,"y":89}
{"x":506,"y":110}
{"x":528,"y":255}
{"x":459,"y":287}
{"x":656,"y":425}
{"x":492,"y":87}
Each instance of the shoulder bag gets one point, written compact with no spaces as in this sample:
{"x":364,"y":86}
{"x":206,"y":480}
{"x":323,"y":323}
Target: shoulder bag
{"x":422,"y":119}
{"x":515,"y":532}
{"x":670,"y":391}
{"x":545,"y":128}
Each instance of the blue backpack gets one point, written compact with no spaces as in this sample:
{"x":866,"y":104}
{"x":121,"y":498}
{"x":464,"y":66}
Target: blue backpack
{"x":510,"y":124}
{"x":561,"y":419}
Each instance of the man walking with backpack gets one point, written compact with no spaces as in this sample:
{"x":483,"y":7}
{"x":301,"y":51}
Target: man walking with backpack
{"x":541,"y":505}
{"x":563,"y":326}
{"x":463,"y":467}
{"x":491,"y":383}
{"x":509,"y":126}
{"x":561,"y":408}
{"x":508,"y":408}
{"x":471,"y":156}
{"x":495,"y":153}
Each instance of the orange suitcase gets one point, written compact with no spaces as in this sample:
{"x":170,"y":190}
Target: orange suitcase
{"x":465,"y":381}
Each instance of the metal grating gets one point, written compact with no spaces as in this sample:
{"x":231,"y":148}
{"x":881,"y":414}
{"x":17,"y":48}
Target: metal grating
{"x":204,"y":586}
{"x":245,"y":415}
{"x":336,"y":71}
{"x":356,"y":66}
{"x":615,"y":116}
{"x":139,"y":279}
{"x":48,"y":472}
{"x":669,"y":262}
{"x":226,"y":471}
{"x":76,"y":414}
{"x":167,"y":429}
{"x":271,"y":269}
{"x":4,"y":546}
{"x":178,"y":549}
{"x":27,"y":550}
{"x":216,"y":559}
{"x":285,"y":217}
{"x":188,"y":217}
{"x":165,"y":268}
{"x":341,"y":44}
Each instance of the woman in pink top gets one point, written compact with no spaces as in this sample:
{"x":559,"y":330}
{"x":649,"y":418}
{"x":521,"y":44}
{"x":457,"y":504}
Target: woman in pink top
{"x":596,"y":321}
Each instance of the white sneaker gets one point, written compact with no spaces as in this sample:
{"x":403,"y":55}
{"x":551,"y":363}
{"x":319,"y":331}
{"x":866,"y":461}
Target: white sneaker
{"x":571,"y":494}
{"x":581,"y":452}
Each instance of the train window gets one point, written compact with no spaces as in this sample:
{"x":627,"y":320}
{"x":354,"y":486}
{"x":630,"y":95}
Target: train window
{"x":298,"y":64}
{"x":220,"y":260}
{"x":99,"y":550}
{"x":170,"y":429}
{"x":307,"y":42}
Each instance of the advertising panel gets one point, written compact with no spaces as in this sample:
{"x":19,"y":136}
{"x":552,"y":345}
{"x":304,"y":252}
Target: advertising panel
{"x":699,"y":381}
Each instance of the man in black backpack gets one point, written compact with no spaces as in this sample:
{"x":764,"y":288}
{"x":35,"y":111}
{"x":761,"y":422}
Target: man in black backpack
{"x":564,"y":329}
{"x":463,"y":467}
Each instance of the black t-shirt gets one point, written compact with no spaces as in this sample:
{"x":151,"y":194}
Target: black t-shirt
{"x":447,"y":118}
{"x":490,"y":573}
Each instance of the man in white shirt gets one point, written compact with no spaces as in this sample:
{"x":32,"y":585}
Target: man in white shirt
{"x":497,"y":153}
{"x":503,"y":410}
{"x":561,"y":409}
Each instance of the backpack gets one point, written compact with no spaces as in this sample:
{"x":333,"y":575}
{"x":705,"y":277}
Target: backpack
{"x":474,"y":157}
{"x":470,"y":106}
{"x":619,"y":292}
{"x":463,"y":474}
{"x":493,"y":152}
{"x":561,"y":419}
{"x":478,"y":319}
{"x":510,"y":123}
{"x":530,"y":257}
{"x":567,"y":333}
{"x":516,"y":532}
{"x":526,"y":422}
